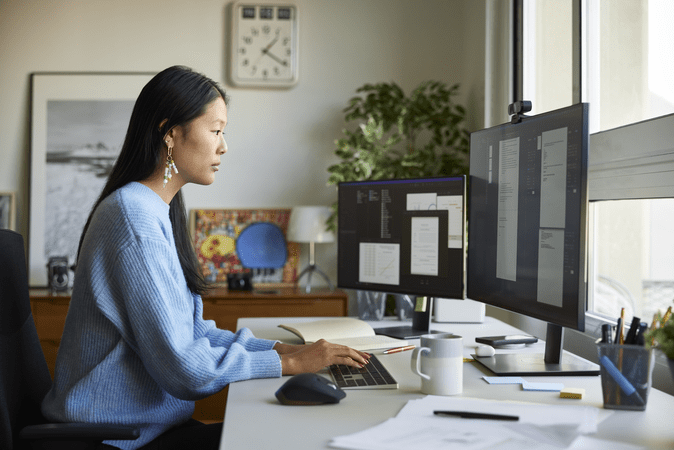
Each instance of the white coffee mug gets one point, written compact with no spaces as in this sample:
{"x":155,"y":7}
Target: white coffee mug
{"x":439,"y":363}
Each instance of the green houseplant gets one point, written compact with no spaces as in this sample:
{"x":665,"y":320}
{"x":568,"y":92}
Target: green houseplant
{"x":662,"y":337}
{"x":422,"y":134}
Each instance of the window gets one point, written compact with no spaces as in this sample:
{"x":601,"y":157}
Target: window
{"x":627,"y":67}
{"x":548,"y":54}
{"x":634,"y":263}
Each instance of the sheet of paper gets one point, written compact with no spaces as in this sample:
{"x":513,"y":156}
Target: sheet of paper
{"x":553,"y":177}
{"x":508,"y":204}
{"x":436,"y":433}
{"x":454,"y":206}
{"x":547,"y":387}
{"x":424,"y":249}
{"x":537,"y":414}
{"x":504,"y":380}
{"x":379,"y":263}
{"x":541,"y":427}
{"x":526,"y":385}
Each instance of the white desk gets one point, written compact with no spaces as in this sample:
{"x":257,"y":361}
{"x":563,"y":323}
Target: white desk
{"x":254,"y":419}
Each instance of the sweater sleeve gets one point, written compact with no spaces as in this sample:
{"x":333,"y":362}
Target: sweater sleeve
{"x":156,"y":317}
{"x":223,"y":338}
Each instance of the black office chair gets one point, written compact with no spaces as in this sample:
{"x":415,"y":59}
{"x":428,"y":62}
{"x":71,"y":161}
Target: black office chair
{"x":24,"y":376}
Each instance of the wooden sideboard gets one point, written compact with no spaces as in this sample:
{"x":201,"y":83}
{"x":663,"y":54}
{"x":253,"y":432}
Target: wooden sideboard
{"x":223,"y":306}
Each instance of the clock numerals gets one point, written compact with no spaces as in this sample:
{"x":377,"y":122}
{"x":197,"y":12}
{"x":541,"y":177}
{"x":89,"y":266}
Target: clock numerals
{"x":265,"y":54}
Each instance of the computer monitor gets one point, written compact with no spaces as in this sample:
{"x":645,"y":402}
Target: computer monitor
{"x":404,"y":236}
{"x":527,"y":231}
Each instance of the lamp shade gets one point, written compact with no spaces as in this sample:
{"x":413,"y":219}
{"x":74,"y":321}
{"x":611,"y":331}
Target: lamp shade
{"x":308,"y":224}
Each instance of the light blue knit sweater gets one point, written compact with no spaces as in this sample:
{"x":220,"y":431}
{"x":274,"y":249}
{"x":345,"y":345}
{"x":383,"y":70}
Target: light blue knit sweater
{"x":135,"y":348}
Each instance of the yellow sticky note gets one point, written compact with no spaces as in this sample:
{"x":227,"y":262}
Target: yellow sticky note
{"x":421,"y":305}
{"x":576,"y":393}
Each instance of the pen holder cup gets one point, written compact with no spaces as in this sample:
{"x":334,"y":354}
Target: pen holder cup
{"x":626,"y":375}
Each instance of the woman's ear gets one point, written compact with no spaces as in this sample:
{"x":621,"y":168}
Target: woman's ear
{"x":169,"y":137}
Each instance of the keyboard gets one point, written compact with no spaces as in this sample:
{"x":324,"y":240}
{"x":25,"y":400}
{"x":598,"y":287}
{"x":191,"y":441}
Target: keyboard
{"x":373,"y":376}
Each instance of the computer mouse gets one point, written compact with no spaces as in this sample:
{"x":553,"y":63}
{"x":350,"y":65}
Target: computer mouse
{"x":484,"y":351}
{"x":309,"y":389}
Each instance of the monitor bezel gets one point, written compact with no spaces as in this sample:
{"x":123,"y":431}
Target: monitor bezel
{"x":576,"y":320}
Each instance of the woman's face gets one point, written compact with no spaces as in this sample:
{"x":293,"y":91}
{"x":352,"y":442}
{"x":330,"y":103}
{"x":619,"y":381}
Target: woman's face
{"x":197,"y":147}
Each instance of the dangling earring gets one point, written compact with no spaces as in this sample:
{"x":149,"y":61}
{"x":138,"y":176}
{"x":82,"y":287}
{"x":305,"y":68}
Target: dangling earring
{"x":170,"y":164}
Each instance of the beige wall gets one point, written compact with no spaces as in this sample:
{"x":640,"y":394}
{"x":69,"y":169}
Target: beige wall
{"x":281,"y":141}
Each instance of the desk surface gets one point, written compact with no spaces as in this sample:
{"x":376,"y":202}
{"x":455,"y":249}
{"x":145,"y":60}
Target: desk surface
{"x":255,"y":419}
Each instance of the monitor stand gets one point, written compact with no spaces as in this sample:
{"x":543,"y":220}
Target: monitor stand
{"x":421,"y":324}
{"x":555,"y":362}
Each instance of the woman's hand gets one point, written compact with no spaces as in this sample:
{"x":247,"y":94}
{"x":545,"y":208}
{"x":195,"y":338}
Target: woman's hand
{"x":312,"y":358}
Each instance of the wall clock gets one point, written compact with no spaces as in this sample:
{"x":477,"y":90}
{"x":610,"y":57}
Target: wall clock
{"x":264,"y":45}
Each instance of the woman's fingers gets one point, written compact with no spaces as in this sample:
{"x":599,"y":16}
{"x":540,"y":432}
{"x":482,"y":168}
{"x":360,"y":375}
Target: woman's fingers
{"x":314,"y":357}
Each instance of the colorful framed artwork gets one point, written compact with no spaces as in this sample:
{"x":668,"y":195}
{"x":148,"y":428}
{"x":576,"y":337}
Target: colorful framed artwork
{"x":79,"y":122}
{"x":236,"y":241}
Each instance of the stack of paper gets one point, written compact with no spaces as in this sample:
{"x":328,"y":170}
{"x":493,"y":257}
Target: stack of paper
{"x":539,"y":427}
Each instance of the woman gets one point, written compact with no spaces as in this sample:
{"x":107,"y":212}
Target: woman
{"x":135,"y":348}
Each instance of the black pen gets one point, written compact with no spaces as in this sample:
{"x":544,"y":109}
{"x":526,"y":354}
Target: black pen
{"x":632,"y":333}
{"x":475,"y":415}
{"x":619,"y":327}
{"x":606,"y":334}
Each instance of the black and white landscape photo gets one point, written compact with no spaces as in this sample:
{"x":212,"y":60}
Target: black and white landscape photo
{"x":84,"y":138}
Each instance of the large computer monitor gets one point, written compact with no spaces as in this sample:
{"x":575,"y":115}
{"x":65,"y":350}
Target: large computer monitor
{"x":403,"y":236}
{"x":527,"y":228}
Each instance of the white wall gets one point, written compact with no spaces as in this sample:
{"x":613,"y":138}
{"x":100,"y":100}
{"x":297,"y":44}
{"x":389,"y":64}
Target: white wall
{"x":280,"y":141}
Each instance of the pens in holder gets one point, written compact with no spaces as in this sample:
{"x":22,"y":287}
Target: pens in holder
{"x":640,"y":337}
{"x":632,"y":333}
{"x":606,"y":334}
{"x":398,"y":349}
{"x":619,"y":327}
{"x":620,"y":379}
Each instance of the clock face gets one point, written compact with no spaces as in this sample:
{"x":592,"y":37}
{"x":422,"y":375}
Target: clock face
{"x":264,"y":45}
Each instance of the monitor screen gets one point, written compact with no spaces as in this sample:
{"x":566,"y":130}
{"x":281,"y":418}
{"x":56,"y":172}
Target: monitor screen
{"x":403,"y":236}
{"x":527,"y":220}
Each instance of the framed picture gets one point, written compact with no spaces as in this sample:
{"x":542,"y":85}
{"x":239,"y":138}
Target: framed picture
{"x":79,"y":121}
{"x":7,"y":210}
{"x":220,"y":239}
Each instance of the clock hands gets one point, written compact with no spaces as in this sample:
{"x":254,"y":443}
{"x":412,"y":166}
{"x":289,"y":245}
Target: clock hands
{"x":265,"y":51}
{"x":271,"y":44}
{"x":275,"y":58}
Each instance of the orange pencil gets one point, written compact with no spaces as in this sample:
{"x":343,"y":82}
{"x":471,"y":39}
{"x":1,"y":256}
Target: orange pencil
{"x":398,"y":349}
{"x":622,"y":326}
{"x":668,"y":314}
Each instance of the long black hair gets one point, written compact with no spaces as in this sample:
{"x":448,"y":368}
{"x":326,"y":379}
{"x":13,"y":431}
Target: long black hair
{"x":173,"y":97}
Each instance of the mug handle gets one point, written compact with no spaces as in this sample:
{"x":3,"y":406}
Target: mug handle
{"x":416,"y":361}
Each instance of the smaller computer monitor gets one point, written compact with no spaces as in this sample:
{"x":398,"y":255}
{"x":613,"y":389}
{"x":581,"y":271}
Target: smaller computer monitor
{"x":404,"y":236}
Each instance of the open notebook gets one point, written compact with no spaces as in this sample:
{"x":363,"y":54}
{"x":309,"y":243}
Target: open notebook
{"x":348,"y":331}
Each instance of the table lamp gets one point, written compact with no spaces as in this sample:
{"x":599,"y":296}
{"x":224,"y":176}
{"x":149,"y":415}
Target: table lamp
{"x":308,"y":225}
